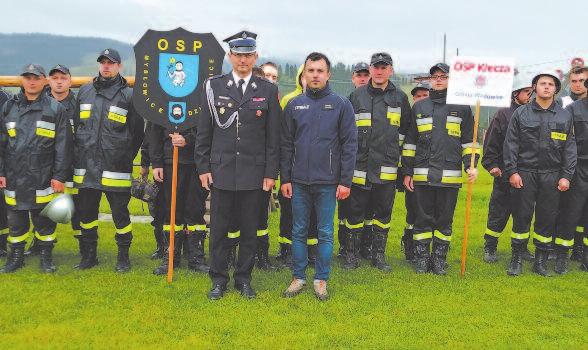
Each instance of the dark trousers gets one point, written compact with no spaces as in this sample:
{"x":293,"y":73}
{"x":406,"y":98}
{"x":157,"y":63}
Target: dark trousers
{"x":3,"y":215}
{"x":227,"y":207}
{"x":410,"y":203}
{"x":499,"y":209}
{"x":88,"y":206}
{"x":19,"y":225}
{"x":539,"y":195}
{"x":190,"y":198}
{"x":379,"y":199}
{"x":435,"y":209}
{"x":573,"y":209}
{"x":286,"y":223}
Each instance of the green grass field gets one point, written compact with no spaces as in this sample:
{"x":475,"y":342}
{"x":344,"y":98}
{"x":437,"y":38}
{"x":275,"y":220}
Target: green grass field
{"x":367,"y":309}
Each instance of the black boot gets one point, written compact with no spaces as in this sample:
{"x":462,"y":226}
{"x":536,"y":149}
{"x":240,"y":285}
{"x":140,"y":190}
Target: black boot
{"x":88,"y":251}
{"x":3,"y":250}
{"x":197,"y":262}
{"x":15,"y":259}
{"x":540,"y":265}
{"x":47,"y":259}
{"x":490,"y":245}
{"x":407,"y":245}
{"x":378,"y":251}
{"x":341,"y":238}
{"x":34,"y":249}
{"x":158,"y":234}
{"x":561,"y":261}
{"x":422,"y":257}
{"x":351,"y":250}
{"x":527,"y":255}
{"x":123,"y":262}
{"x":178,"y":242}
{"x":285,"y":256}
{"x":578,"y":249}
{"x":515,"y":268}
{"x":365,"y":245}
{"x":263,"y":260}
{"x":439,"y":259}
{"x":312,"y":252}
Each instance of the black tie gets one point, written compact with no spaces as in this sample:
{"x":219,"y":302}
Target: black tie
{"x":240,"y":86}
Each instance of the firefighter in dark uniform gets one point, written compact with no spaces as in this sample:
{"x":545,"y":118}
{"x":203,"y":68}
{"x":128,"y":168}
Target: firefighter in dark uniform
{"x":441,"y":137}
{"x":35,"y":162}
{"x":382,"y":115}
{"x":499,"y":208}
{"x":237,"y":154}
{"x":419,"y":92}
{"x":539,"y":161}
{"x":108,"y":135}
{"x":191,"y":196}
{"x":4,"y":96}
{"x":157,"y":206}
{"x":573,"y":213}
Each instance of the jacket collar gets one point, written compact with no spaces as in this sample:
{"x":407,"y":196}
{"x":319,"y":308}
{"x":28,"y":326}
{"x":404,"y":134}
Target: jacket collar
{"x":438,"y":96}
{"x":109,"y":89}
{"x":318,"y":94}
{"x":536,"y":106}
{"x":377,"y":91}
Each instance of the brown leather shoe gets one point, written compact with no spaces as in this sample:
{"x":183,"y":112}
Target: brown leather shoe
{"x":320,"y":290}
{"x":296,"y":286}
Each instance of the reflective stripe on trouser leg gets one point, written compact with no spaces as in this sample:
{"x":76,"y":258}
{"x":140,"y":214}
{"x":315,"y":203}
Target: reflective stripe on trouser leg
{"x":441,"y":237}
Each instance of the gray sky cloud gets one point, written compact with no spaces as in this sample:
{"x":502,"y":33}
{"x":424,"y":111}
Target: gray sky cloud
{"x":347,"y":31}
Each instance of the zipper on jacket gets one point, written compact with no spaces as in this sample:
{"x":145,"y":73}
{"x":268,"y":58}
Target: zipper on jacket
{"x":330,"y":160}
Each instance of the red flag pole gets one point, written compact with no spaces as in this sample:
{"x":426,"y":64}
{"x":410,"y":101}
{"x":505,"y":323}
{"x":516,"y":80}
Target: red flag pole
{"x":172,"y":220}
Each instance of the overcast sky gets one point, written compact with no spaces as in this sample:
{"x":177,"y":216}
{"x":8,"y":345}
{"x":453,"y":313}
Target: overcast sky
{"x":412,"y":31}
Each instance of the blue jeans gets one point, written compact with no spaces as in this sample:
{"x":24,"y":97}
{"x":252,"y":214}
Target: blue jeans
{"x":323,"y":198}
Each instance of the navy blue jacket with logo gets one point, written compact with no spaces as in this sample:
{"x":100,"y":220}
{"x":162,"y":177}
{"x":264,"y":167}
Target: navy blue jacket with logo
{"x":319,"y":139}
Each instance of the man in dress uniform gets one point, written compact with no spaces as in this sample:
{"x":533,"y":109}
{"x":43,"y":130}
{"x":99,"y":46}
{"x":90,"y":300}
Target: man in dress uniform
{"x":237,"y":155}
{"x":108,"y":135}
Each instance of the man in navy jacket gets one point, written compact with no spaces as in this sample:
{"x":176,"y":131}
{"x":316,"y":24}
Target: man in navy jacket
{"x":318,"y":148}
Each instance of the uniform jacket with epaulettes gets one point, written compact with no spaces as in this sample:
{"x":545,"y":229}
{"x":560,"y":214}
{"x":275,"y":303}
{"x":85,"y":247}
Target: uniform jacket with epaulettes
{"x":382,"y":118}
{"x":438,"y":142}
{"x":108,"y":135}
{"x":35,"y":147}
{"x":242,"y":155}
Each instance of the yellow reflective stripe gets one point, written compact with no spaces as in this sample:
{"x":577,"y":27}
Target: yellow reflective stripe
{"x":11,"y":132}
{"x":17,"y":239}
{"x":559,"y":136}
{"x":90,"y":225}
{"x":365,"y":122}
{"x":166,"y":228}
{"x":564,"y":242}
{"x":585,"y":241}
{"x":114,"y":179}
{"x":85,"y":110}
{"x":126,"y":229}
{"x":312,"y":241}
{"x":363,"y":119}
{"x":4,"y":231}
{"x":69,"y":190}
{"x":388,"y":173}
{"x":393,"y":115}
{"x":467,"y":148}
{"x":77,"y":232}
{"x":453,"y":129}
{"x":542,"y":239}
{"x":234,"y":234}
{"x":117,"y":117}
{"x":425,"y":127}
{"x":352,"y":226}
{"x":359,"y":177}
{"x":580,"y":229}
{"x":451,"y":177}
{"x":261,"y":233}
{"x":381,"y":224}
{"x":284,"y":240}
{"x":44,"y":196}
{"x":197,"y":227}
{"x":408,"y":153}
{"x":515,"y":235}
{"x":422,"y":236}
{"x":10,"y":197}
{"x":420,"y":174}
{"x":47,"y":238}
{"x":442,"y":236}
{"x":489,"y":232}
{"x":84,"y":114}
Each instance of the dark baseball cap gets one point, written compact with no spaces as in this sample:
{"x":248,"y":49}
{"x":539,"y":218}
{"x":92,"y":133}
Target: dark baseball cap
{"x":111,"y":54}
{"x":381,"y":57}
{"x":33,"y":68}
{"x":441,"y":66}
{"x":59,"y":68}
{"x":358,"y":67}
{"x":423,"y":85}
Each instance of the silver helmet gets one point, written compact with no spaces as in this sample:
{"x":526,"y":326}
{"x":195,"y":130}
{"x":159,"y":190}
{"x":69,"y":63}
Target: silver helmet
{"x":60,"y":209}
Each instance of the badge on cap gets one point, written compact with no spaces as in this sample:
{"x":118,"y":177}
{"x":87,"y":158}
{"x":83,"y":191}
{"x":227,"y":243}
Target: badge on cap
{"x":258,"y":113}
{"x":230,"y":104}
{"x":222,"y":110}
{"x":106,"y":52}
{"x":244,"y":35}
{"x":31,"y":67}
{"x":380,"y":57}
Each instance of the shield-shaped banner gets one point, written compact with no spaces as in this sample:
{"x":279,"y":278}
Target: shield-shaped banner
{"x":171,"y":67}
